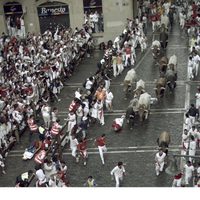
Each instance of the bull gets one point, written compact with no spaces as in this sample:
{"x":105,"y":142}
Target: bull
{"x":160,"y":87}
{"x":172,"y":64}
{"x":131,"y":112}
{"x":128,"y":80}
{"x":144,"y":106}
{"x":163,"y":63}
{"x":171,"y":79}
{"x":163,"y":141}
{"x":140,"y":88}
{"x":155,"y":49}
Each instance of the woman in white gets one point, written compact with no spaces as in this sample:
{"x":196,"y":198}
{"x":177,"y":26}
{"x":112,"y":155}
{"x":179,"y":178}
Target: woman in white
{"x":109,"y":99}
{"x":159,"y":161}
{"x":46,"y":115}
{"x":118,"y":172}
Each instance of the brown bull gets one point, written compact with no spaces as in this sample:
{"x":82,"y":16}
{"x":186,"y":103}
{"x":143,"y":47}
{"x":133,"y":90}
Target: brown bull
{"x":160,"y":87}
{"x":163,"y":64}
{"x":164,"y":141}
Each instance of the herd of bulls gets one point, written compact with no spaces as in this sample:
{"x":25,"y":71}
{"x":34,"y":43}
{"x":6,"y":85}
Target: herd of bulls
{"x":139,"y":106}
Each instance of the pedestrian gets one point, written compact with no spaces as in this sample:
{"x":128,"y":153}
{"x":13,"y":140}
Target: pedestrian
{"x":159,"y":161}
{"x":101,"y":144}
{"x":192,"y":148}
{"x":100,"y":112}
{"x":46,"y":115}
{"x":33,"y":134}
{"x":185,"y":141}
{"x":188,"y":172}
{"x":23,"y":179}
{"x":73,"y":146}
{"x":114,"y":64}
{"x":193,"y":113}
{"x":118,"y":123}
{"x":118,"y":172}
{"x":197,"y":97}
{"x":177,"y":180}
{"x":109,"y":99}
{"x":82,"y":147}
{"x":90,"y":182}
{"x":2,"y":164}
{"x":120,"y":66}
{"x":41,"y":177}
{"x":191,"y":68}
{"x":71,"y":122}
{"x":187,"y":124}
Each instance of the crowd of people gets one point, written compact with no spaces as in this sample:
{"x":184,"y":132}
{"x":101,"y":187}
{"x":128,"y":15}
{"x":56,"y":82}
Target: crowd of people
{"x":33,"y":73}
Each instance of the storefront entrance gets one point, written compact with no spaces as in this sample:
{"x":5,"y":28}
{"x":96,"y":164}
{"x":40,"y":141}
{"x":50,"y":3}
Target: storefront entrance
{"x":53,"y":15}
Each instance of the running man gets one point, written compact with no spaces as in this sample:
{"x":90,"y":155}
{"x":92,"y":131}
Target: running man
{"x":101,"y":144}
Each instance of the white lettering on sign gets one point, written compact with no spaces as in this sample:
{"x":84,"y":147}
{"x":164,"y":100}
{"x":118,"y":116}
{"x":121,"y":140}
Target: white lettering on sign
{"x":53,"y":11}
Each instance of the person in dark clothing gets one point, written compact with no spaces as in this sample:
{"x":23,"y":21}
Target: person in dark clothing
{"x":171,"y":17}
{"x":193,"y":113}
{"x":163,"y":39}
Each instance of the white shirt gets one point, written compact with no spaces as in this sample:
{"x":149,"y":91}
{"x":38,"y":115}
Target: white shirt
{"x":117,"y":171}
{"x":160,"y":159}
{"x":109,"y":96}
{"x":189,"y":169}
{"x":88,"y":85}
{"x":119,"y":121}
{"x":73,"y":143}
{"x":40,"y":175}
{"x":192,"y":145}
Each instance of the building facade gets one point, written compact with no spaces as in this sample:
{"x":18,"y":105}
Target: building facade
{"x":39,"y":15}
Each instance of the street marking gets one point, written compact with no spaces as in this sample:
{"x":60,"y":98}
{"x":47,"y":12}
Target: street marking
{"x":116,"y":148}
{"x":179,"y":83}
{"x":109,"y":152}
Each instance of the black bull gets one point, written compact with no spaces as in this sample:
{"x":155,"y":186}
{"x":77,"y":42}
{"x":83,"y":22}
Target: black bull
{"x":164,"y":141}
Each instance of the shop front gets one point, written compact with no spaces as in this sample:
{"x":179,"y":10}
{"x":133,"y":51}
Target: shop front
{"x":52,"y":15}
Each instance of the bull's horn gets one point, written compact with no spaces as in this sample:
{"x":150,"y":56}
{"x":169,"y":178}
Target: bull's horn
{"x":155,"y":88}
{"x":162,"y":88}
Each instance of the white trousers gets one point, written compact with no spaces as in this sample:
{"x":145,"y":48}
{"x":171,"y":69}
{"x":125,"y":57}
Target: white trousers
{"x":47,"y":120}
{"x":159,"y":167}
{"x":74,"y":149}
{"x":192,"y":120}
{"x":120,"y":68}
{"x":114,"y":70}
{"x":126,"y":59}
{"x":102,"y":149}
{"x":118,"y":180}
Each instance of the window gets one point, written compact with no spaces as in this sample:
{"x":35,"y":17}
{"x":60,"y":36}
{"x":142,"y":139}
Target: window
{"x":93,"y":15}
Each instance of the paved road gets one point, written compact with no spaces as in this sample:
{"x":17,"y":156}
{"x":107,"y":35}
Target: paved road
{"x":135,"y":147}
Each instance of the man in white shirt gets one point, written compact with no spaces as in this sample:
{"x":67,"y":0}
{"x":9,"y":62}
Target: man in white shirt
{"x":73,"y":146}
{"x":190,"y":68}
{"x":118,"y":172}
{"x":192,"y":147}
{"x":46,"y":115}
{"x":188,"y":171}
{"x":196,"y":60}
{"x":109,"y":98}
{"x":159,"y":161}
